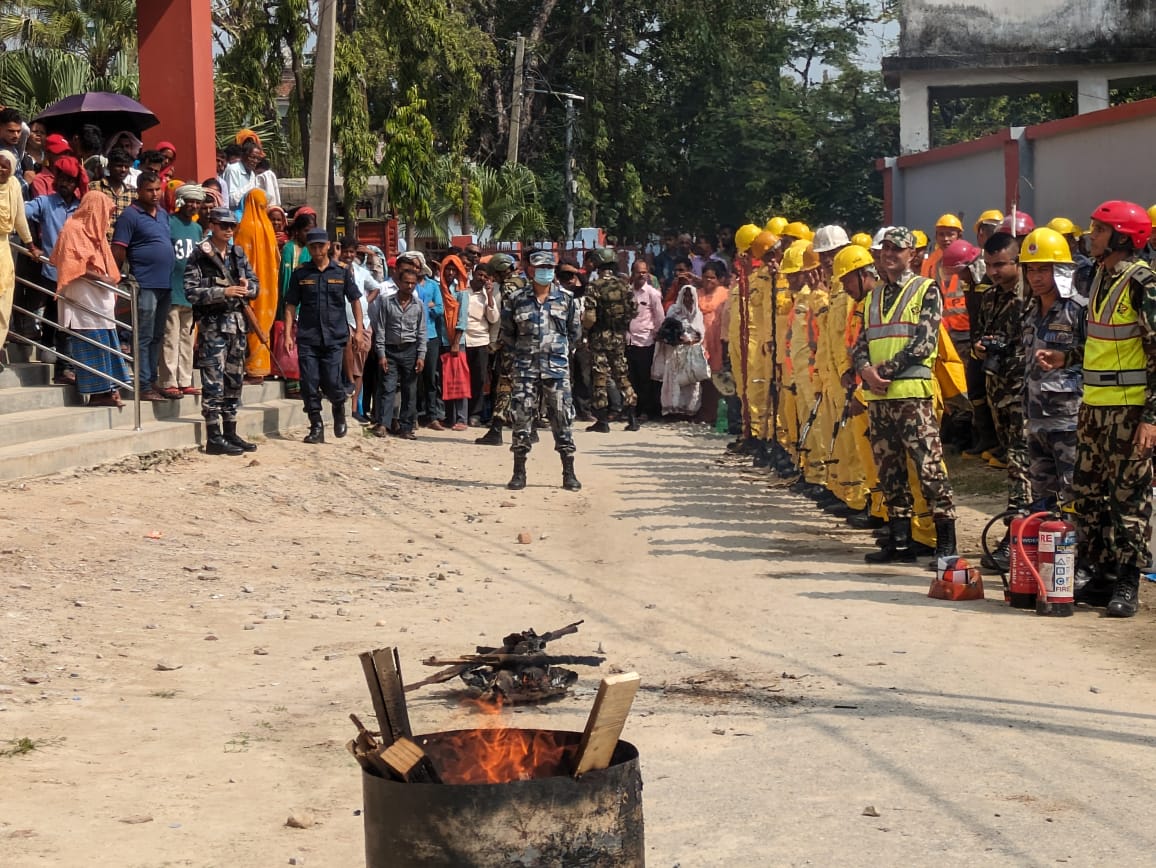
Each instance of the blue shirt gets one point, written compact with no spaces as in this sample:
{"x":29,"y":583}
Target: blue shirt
{"x":320,"y":297}
{"x":148,"y":244}
{"x":49,"y":213}
{"x":429,"y":290}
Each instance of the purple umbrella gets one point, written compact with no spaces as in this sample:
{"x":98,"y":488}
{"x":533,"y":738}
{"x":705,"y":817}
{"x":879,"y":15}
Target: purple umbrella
{"x":112,"y":112}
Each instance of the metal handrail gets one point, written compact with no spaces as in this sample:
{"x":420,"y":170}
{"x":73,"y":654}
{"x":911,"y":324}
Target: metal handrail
{"x":133,"y":359}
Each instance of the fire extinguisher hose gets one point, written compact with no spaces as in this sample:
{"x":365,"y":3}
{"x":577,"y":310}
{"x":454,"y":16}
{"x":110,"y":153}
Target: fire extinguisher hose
{"x":1024,"y":555}
{"x":1007,"y":513}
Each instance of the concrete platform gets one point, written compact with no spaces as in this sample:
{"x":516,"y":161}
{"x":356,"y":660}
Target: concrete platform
{"x":45,"y":429}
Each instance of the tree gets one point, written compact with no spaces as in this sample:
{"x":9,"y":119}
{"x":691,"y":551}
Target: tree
{"x":409,"y":161}
{"x":102,"y":32}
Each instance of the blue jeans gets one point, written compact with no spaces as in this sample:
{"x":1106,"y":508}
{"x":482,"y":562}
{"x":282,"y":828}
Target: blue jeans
{"x":153,"y":312}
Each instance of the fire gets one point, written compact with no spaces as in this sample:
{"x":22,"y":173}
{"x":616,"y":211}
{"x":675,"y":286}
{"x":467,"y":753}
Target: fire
{"x":498,"y":756}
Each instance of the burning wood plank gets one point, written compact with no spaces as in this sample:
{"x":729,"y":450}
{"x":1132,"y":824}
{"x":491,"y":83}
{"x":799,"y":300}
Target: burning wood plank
{"x":604,"y":726}
{"x":407,"y":762}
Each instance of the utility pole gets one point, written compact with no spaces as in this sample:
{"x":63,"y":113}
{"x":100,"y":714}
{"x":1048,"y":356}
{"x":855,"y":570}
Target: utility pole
{"x":317,"y":174}
{"x":569,"y":173}
{"x":516,"y":100}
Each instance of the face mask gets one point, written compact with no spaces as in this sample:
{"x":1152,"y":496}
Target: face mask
{"x":543,"y":276}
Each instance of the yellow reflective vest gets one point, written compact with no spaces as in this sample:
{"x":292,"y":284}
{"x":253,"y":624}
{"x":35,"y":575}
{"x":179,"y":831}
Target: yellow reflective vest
{"x":888,"y":332}
{"x":1115,"y":367}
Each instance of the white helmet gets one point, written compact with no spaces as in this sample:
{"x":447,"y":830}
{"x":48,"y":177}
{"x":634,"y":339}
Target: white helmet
{"x":828,"y":238}
{"x":877,"y":241}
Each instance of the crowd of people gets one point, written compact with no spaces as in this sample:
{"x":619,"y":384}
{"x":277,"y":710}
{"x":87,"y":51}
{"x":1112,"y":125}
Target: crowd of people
{"x":855,"y":359}
{"x":846,"y":362}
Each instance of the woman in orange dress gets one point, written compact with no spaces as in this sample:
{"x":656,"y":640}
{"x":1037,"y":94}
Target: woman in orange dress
{"x":256,"y":237}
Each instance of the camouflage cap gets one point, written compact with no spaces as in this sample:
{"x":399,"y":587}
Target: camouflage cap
{"x":900,"y":236}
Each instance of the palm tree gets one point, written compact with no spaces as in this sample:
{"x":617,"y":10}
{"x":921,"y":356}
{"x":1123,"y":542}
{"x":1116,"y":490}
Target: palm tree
{"x":102,"y":32}
{"x":34,"y":78}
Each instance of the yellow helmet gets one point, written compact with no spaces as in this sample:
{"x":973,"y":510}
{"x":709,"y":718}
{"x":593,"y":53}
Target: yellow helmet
{"x":796,"y":230}
{"x":920,"y":238}
{"x":1046,"y":245}
{"x":800,"y":256}
{"x":745,"y":235}
{"x":1065,"y":227}
{"x":776,"y":225}
{"x":763,"y":242}
{"x":1151,"y":215}
{"x":862,"y":239}
{"x":948,"y":221}
{"x":992,"y":215}
{"x":851,"y":259}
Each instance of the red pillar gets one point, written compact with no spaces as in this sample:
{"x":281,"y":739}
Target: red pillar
{"x":176,"y":81}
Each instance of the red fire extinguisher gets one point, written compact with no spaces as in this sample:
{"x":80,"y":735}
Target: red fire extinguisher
{"x":1023,"y":582}
{"x":1057,"y":568}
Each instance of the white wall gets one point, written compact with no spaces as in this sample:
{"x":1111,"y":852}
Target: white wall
{"x":965,"y":187}
{"x":1075,"y":172}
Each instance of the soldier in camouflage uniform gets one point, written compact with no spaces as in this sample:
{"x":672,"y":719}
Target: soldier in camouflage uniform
{"x":501,"y":266}
{"x":539,"y":325}
{"x":609,"y":307}
{"x":1116,"y":431}
{"x":1053,"y":343}
{"x":999,"y":347}
{"x":894,"y":356}
{"x":218,"y":281}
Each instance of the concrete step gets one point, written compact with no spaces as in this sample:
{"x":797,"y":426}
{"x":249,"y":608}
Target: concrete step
{"x":25,"y":374}
{"x":22,"y":398}
{"x":39,"y":457}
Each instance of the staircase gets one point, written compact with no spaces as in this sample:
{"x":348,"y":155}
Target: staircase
{"x":45,"y":428}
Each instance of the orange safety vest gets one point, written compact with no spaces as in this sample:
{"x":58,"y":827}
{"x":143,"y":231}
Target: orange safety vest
{"x":955,"y":316}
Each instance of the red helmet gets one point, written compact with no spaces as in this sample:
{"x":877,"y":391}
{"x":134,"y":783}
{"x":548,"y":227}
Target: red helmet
{"x":1127,"y":218}
{"x":960,"y":253}
{"x":1024,"y":224}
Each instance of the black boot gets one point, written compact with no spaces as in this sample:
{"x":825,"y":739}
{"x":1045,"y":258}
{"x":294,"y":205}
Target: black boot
{"x":631,"y":419}
{"x":983,"y":436}
{"x":340,"y":426}
{"x":601,"y":426}
{"x":897,"y":548}
{"x":534,"y":433}
{"x":1126,"y":597}
{"x":231,"y":436}
{"x":216,"y":444}
{"x":944,"y":541}
{"x":863,"y":520}
{"x":518,"y":480}
{"x":762,"y":456}
{"x":316,"y":429}
{"x":569,"y":480}
{"x":493,"y":437}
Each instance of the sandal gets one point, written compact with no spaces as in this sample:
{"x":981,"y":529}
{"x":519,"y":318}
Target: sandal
{"x":172,"y":393}
{"x":190,"y":390}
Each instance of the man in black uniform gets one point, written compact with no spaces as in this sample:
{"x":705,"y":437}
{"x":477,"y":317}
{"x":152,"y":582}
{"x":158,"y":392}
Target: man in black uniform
{"x":316,"y":299}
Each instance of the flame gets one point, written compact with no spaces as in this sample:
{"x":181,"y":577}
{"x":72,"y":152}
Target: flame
{"x":498,"y":756}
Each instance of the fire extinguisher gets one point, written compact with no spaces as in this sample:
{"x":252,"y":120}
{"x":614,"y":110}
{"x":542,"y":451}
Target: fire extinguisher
{"x":1023,"y":579}
{"x":1057,"y":567}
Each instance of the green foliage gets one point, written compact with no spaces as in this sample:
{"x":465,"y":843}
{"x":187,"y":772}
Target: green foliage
{"x":98,"y":31}
{"x":356,"y":146}
{"x":409,"y":160}
{"x":964,"y":119}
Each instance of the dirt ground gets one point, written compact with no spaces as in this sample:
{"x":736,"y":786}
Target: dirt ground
{"x":178,"y":660}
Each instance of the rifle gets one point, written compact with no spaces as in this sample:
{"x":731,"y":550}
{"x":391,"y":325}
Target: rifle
{"x":805,"y":431}
{"x":841,"y":424}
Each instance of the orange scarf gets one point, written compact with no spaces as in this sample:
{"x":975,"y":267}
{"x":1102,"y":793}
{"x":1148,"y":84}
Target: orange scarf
{"x":452,"y":310}
{"x":82,"y":245}
{"x":256,"y":237}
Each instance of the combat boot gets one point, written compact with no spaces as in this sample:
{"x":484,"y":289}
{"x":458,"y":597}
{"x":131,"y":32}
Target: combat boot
{"x":518,"y":480}
{"x":1000,"y":558}
{"x":1126,"y":597}
{"x":340,"y":426}
{"x":493,"y":437}
{"x":944,"y":541}
{"x":232,"y":437}
{"x":569,"y":480}
{"x":762,"y":456}
{"x":316,"y":429}
{"x":601,"y":426}
{"x":983,"y":437}
{"x":863,"y":520}
{"x":216,"y":444}
{"x":534,"y":433}
{"x":631,"y":419}
{"x":897,"y":548}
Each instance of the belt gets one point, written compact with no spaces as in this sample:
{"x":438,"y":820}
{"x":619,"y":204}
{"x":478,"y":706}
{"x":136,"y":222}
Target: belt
{"x":1115,"y":378}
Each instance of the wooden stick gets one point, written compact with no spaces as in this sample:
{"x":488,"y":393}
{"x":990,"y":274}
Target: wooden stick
{"x":407,"y":762}
{"x":604,"y":726}
{"x":440,"y":677}
{"x":389,"y":677}
{"x":376,"y":695}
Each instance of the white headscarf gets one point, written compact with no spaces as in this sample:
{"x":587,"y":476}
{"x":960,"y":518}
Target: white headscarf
{"x":691,"y":319}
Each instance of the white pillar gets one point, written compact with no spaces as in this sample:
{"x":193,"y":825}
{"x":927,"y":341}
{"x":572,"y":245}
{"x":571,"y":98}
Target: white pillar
{"x":914,"y":117}
{"x":1091,"y":94}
